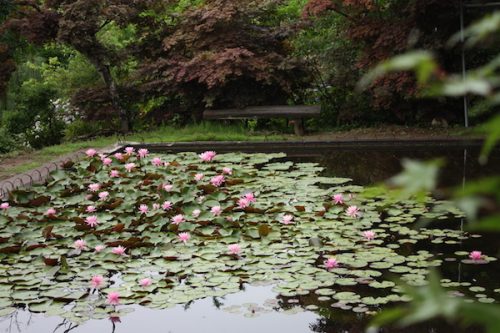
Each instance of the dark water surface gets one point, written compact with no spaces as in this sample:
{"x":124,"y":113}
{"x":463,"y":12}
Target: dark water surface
{"x":257,"y":309}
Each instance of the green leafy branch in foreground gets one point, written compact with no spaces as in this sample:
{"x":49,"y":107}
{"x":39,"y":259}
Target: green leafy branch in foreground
{"x":432,"y":301}
{"x":479,"y":200}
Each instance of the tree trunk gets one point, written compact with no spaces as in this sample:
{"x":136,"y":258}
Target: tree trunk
{"x":115,"y":98}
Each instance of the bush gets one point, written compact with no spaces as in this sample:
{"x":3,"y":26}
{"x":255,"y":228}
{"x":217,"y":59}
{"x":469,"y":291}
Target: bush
{"x":82,"y":129}
{"x":7,"y":141}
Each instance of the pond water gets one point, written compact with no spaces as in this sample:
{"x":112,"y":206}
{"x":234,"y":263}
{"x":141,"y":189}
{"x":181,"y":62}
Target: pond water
{"x":258,"y":307}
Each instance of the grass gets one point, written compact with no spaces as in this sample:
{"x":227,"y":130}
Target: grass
{"x":22,"y":161}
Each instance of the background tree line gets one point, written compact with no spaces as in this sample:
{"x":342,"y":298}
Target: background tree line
{"x":74,"y":68}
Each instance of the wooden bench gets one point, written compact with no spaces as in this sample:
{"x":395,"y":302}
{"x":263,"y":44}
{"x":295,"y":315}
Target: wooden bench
{"x":297,"y":113}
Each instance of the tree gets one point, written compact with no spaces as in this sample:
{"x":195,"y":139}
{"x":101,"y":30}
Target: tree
{"x":224,"y":53}
{"x":78,"y":23}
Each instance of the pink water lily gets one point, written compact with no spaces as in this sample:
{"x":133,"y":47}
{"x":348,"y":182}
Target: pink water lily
{"x":103,"y":195}
{"x":184,"y":237}
{"x":156,"y":206}
{"x":196,"y":213}
{"x":114,"y":173}
{"x":90,"y":209}
{"x":99,"y":248}
{"x":167,"y":205}
{"x":476,"y":255}
{"x":287,"y":219}
{"x":129,"y":150}
{"x":50,"y":212}
{"x":234,"y":249}
{"x":91,"y":152}
{"x":91,"y":221}
{"x":243,"y":203}
{"x":119,"y":250}
{"x":94,"y":187}
{"x":113,"y":298}
{"x":143,"y":152}
{"x":4,"y":206}
{"x":80,"y":244}
{"x":157,"y":162}
{"x":369,"y":235}
{"x":338,"y":199}
{"x":217,"y":180}
{"x":119,"y":156}
{"x":216,"y":210}
{"x":168,"y":187}
{"x":331,"y":263}
{"x":198,"y":177}
{"x":353,"y":211}
{"x":177,"y":219}
{"x":146,"y":282}
{"x":143,"y":209}
{"x":208,"y":156}
{"x":107,"y":161}
{"x":227,"y":171}
{"x":129,"y":167}
{"x":250,"y":197}
{"x":97,"y":281}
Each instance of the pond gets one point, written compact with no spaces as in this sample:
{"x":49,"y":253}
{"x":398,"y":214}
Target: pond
{"x":278,"y":254}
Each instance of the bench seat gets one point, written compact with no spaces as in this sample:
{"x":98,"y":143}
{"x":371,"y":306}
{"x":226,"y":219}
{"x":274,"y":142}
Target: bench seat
{"x":296,"y":113}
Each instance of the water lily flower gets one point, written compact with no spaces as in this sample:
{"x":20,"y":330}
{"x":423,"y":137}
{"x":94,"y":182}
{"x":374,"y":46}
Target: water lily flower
{"x":250,"y":197}
{"x":166,"y":164}
{"x":157,"y":162}
{"x":207,"y":156}
{"x":4,"y":206}
{"x":103,"y":195}
{"x":353,"y":211}
{"x":167,"y":205}
{"x":234,"y":249}
{"x":243,"y":203}
{"x":143,"y":209}
{"x":146,"y":282}
{"x":369,"y":235}
{"x":80,"y":244}
{"x":217,"y":180}
{"x":107,"y":161}
{"x":198,"y":177}
{"x":99,"y":248}
{"x":97,"y":281}
{"x":227,"y":171}
{"x":119,"y":156}
{"x":196,"y":213}
{"x":287,"y":219}
{"x":113,"y":298}
{"x":129,"y":150}
{"x":90,"y":209}
{"x":50,"y":212}
{"x":90,"y":152}
{"x":338,"y":199}
{"x":216,"y":210}
{"x":476,"y":255}
{"x":184,"y":237}
{"x":177,"y":219}
{"x":92,"y":220}
{"x":143,"y":153}
{"x":129,"y":167}
{"x":156,"y":206}
{"x":94,"y":187}
{"x":331,"y":263}
{"x":168,"y":187}
{"x":114,"y":173}
{"x":119,"y":250}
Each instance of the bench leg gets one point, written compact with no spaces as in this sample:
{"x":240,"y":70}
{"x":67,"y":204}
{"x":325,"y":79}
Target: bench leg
{"x":298,"y":127}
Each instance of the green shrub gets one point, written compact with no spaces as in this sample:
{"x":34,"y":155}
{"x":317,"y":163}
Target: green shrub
{"x":8,"y":142}
{"x":82,"y":129}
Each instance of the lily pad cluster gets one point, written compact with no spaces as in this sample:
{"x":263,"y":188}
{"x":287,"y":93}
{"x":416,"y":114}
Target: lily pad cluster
{"x":172,"y":228}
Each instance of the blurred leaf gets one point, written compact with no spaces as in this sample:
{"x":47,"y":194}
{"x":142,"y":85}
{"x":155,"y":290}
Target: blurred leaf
{"x":417,"y":177}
